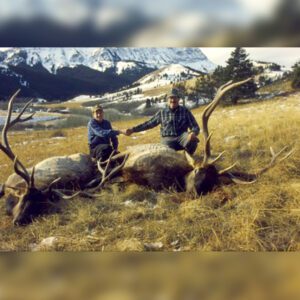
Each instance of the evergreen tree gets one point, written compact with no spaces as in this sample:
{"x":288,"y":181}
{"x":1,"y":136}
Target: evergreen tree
{"x":262,"y":80}
{"x":238,"y":68}
{"x":220,"y":76}
{"x":148,"y":102}
{"x":204,"y":87}
{"x":296,"y":76}
{"x":275,"y":67}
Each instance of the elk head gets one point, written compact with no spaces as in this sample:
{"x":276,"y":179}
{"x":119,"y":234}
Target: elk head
{"x":205,"y":175}
{"x":26,"y":203}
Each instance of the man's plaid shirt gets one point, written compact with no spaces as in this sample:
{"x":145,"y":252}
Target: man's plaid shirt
{"x":173,"y":122}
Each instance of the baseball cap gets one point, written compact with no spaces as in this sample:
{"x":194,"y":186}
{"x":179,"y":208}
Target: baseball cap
{"x":174,"y":93}
{"x":97,"y":107}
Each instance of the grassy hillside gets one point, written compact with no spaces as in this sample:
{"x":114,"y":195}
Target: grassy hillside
{"x":280,"y":85}
{"x":263,"y":216}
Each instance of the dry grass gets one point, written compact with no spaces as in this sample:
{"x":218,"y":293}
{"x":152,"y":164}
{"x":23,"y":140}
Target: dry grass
{"x":260,"y":217}
{"x":280,"y":85}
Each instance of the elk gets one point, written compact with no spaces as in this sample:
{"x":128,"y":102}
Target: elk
{"x":31,"y":192}
{"x":157,"y":166}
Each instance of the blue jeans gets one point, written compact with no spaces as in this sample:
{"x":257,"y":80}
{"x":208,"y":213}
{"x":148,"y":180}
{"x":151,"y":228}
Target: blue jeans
{"x":180,"y":143}
{"x":101,"y":151}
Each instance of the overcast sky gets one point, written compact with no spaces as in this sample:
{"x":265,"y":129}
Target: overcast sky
{"x":282,"y":56}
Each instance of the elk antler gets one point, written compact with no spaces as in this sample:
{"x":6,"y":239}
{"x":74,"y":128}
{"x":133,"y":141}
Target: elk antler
{"x":207,"y":113}
{"x":274,"y":159}
{"x":106,"y":176}
{"x":243,"y":178}
{"x":4,"y":144}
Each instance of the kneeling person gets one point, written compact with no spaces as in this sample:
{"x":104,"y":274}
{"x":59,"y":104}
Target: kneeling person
{"x":102,"y":139}
{"x":179,"y":128}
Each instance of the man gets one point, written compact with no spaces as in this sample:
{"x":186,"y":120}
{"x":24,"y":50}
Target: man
{"x":175,"y":121}
{"x":102,"y":138}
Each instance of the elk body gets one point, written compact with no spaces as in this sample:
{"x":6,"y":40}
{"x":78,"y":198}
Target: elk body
{"x":158,"y":166}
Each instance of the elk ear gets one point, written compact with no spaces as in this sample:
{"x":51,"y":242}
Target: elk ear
{"x":16,"y":191}
{"x":190,"y":159}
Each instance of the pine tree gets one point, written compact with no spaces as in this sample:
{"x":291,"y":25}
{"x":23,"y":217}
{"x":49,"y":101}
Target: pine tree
{"x":220,"y":76}
{"x":204,"y":87}
{"x":148,"y":102}
{"x":238,"y":68}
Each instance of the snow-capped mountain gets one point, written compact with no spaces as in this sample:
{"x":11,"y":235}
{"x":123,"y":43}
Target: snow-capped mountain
{"x":171,"y":73}
{"x":60,"y":73}
{"x":101,"y":59}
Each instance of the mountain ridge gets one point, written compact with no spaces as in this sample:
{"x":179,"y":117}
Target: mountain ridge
{"x":101,"y":69}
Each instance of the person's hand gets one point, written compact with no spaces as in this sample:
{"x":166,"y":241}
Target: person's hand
{"x":192,"y":137}
{"x":129,"y":132}
{"x":122,"y":131}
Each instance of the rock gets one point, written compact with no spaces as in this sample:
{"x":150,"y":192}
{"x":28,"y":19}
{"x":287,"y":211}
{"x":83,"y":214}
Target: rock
{"x":46,"y":244}
{"x":153,"y":246}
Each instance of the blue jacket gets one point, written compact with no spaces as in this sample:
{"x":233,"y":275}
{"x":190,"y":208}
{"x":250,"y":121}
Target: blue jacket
{"x":102,"y":133}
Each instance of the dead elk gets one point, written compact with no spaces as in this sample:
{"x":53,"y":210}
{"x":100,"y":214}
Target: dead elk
{"x":158,"y":166}
{"x":30,"y":192}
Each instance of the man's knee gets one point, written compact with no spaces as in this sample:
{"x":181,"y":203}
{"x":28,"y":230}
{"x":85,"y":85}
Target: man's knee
{"x":102,"y":152}
{"x":191,"y":147}
{"x":171,"y":143}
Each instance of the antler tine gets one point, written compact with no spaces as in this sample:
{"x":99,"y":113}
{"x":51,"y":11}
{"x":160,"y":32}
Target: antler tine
{"x":115,"y":157}
{"x":105,"y":177}
{"x":99,"y":163}
{"x":240,"y":181}
{"x":274,"y":159}
{"x":63,"y":196}
{"x":206,"y":150}
{"x":104,"y":171}
{"x":79,"y":193}
{"x":116,"y":169}
{"x":4,"y":145}
{"x":24,"y":174}
{"x":50,"y":189}
{"x":244,"y":178}
{"x":227,"y":169}
{"x":209,"y":110}
{"x":217,"y":158}
{"x":18,"y":119}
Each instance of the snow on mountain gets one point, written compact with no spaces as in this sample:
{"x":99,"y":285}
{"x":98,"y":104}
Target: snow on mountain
{"x":270,"y":70}
{"x":173,"y":72}
{"x":123,"y":65}
{"x":102,"y":59}
{"x":164,"y":76}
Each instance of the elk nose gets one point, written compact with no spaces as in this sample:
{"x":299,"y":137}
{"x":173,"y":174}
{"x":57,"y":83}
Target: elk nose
{"x":16,"y":222}
{"x":19,"y":222}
